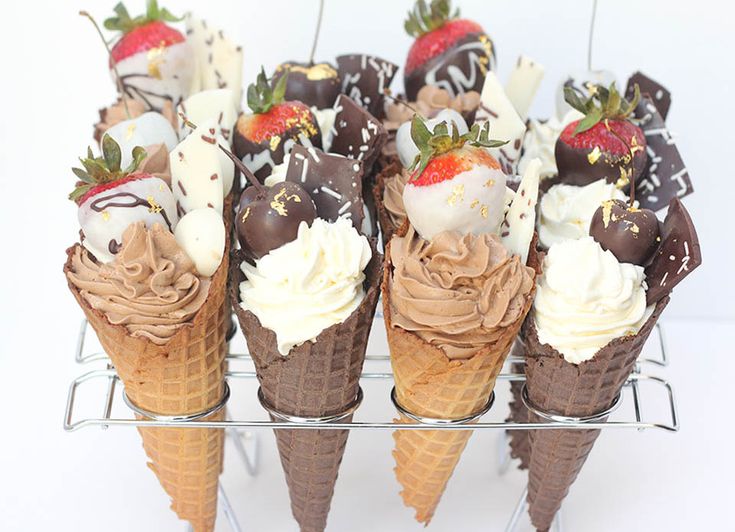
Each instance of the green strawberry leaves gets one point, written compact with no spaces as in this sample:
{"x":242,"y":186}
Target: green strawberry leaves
{"x":434,"y":143}
{"x":603,"y":104}
{"x":124,"y":23}
{"x":104,"y":169}
{"x":425,"y":18}
{"x":262,"y":97}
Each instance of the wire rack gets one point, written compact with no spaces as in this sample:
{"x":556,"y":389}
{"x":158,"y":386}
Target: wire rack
{"x":646,"y":402}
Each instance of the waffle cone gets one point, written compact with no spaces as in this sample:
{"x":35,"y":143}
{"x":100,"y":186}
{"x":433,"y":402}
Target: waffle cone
{"x":557,"y":386}
{"x":316,"y":379}
{"x":429,"y":384}
{"x":387,"y":227}
{"x":184,"y":376}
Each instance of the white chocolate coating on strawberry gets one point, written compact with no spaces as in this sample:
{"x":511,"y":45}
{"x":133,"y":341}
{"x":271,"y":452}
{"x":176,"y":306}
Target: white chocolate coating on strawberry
{"x":523,"y":84}
{"x":105,"y":216}
{"x":470,"y":202}
{"x":201,"y":234}
{"x":148,"y":129}
{"x":158,"y":75}
{"x":520,"y":220}
{"x":197,"y":177}
{"x":505,"y":124}
{"x":218,"y":60}
{"x":214,"y":104}
{"x":407,"y":150}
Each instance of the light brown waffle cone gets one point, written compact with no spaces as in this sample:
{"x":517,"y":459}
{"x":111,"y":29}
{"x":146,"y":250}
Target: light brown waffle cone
{"x":387,"y":228}
{"x":184,"y":376}
{"x":429,"y":384}
{"x":315,"y":379}
{"x":557,"y":386}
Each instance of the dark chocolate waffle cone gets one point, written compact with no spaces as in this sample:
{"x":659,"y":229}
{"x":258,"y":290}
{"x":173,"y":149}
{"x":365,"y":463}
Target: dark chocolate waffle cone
{"x":184,"y":376}
{"x":387,"y":227}
{"x":557,"y":386}
{"x":429,"y":384}
{"x":315,"y":379}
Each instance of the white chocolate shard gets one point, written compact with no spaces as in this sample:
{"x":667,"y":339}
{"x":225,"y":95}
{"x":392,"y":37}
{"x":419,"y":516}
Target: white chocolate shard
{"x":201,"y":234}
{"x":517,"y":229}
{"x":523,"y":84}
{"x":213,"y":104}
{"x":505,"y":124}
{"x":197,"y":177}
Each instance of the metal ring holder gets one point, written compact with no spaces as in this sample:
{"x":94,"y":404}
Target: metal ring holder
{"x":550,"y":416}
{"x":312,"y":420}
{"x":435,"y":421}
{"x":178,"y":418}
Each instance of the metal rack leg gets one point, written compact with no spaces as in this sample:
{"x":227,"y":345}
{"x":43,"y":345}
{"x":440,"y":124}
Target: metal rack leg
{"x":250,"y":458}
{"x":503,"y":450}
{"x":521,"y":507}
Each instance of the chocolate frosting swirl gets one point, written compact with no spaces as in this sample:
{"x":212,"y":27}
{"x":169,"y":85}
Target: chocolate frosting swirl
{"x":152,"y":286}
{"x":429,"y":102}
{"x":457,"y":292}
{"x":393,"y":198}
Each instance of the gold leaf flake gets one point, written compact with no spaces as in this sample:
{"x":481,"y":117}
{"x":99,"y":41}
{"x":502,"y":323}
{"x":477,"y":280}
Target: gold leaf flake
{"x":483,"y":211}
{"x":274,"y":142}
{"x":130,"y":132}
{"x":155,"y":60}
{"x":594,"y":155}
{"x":457,"y":195}
{"x":105,"y":215}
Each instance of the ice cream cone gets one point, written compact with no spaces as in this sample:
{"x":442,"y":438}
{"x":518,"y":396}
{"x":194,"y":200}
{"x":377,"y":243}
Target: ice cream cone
{"x":557,"y":386}
{"x":183,"y":376}
{"x":429,"y":384}
{"x":387,"y":227}
{"x":316,"y":379}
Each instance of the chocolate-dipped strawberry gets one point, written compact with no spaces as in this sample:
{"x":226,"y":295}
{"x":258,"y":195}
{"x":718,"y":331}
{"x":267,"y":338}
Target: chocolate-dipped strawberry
{"x":605,"y":144}
{"x":455,"y":185}
{"x":154,"y":60}
{"x":451,"y":53}
{"x":266,"y":217}
{"x":265,"y":136}
{"x":632,"y":235}
{"x":111,"y":198}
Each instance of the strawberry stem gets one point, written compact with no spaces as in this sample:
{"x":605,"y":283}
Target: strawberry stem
{"x":316,"y":35}
{"x":118,"y":80}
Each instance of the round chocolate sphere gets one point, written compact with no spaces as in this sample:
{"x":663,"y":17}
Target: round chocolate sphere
{"x":316,"y":85}
{"x":632,"y":235}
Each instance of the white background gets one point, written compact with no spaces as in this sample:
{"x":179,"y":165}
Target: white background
{"x":54,"y":80}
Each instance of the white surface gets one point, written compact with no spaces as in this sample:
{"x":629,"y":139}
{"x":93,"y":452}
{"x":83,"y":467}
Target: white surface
{"x":55,"y":79}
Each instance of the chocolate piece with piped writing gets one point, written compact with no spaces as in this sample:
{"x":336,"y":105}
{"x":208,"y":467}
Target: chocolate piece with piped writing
{"x":659,"y":94}
{"x":357,"y":134}
{"x":334,"y":182}
{"x":665,"y":176}
{"x":365,"y":78}
{"x":678,"y":255}
{"x":316,"y":85}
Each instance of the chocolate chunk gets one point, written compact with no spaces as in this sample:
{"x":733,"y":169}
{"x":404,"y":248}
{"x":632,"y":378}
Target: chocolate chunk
{"x":365,"y":78}
{"x":678,"y":255}
{"x":357,"y":134}
{"x":334,"y":183}
{"x":459,"y":69}
{"x":659,"y":94}
{"x":315,"y":85}
{"x":665,"y":176}
{"x":631,"y":234}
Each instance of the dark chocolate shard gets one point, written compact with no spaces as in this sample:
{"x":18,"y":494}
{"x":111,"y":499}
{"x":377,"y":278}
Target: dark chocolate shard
{"x":357,"y":134}
{"x":665,"y":177}
{"x":659,"y":94}
{"x":365,"y":79}
{"x":678,"y":255}
{"x":334,"y":182}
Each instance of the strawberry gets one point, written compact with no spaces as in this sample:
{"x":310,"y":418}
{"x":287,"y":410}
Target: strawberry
{"x":111,"y":198}
{"x":142,"y":33}
{"x":604,"y":144}
{"x":262,"y":137}
{"x":455,"y":185}
{"x":444,"y":46}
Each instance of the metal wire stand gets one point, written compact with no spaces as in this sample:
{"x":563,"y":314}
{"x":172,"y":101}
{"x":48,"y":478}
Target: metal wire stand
{"x":629,"y":412}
